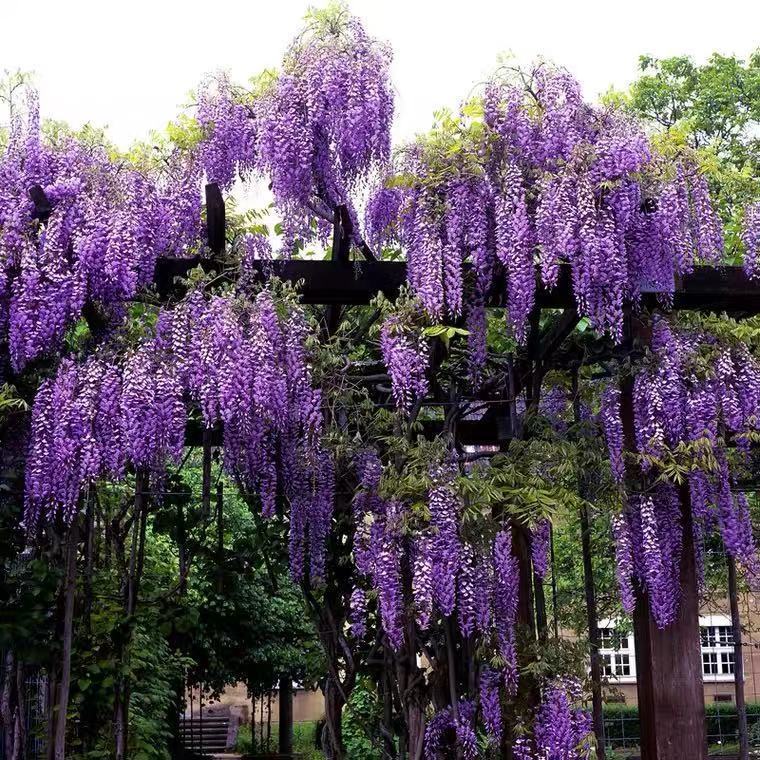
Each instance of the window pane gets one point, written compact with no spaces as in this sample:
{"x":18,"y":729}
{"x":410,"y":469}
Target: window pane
{"x":727,"y":662}
{"x":607,"y":664}
{"x":725,"y":635}
{"x":709,"y":663}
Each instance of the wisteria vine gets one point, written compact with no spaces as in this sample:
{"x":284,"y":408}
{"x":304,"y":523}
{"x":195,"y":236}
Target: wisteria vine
{"x":243,"y":364}
{"x":697,"y":397}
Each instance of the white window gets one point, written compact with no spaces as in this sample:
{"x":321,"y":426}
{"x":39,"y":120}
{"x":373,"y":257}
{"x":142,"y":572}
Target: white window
{"x":717,"y":641}
{"x":616,"y":652}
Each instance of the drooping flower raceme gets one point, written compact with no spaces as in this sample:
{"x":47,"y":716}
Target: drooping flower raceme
{"x":540,"y":540}
{"x":243,"y":364}
{"x":106,"y":226}
{"x":323,"y":124}
{"x":561,"y":731}
{"x":544,"y":180}
{"x":751,"y":239}
{"x":405,"y":354}
{"x":695,"y":394}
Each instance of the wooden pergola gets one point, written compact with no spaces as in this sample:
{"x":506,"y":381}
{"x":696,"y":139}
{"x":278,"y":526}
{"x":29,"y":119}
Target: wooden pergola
{"x":671,"y":700}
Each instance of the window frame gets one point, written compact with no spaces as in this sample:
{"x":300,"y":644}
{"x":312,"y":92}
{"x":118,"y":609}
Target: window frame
{"x":623,"y":635}
{"x":719,"y":646}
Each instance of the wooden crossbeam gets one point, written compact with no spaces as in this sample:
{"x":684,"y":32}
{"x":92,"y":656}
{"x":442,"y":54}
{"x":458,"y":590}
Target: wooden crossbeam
{"x":354,"y":283}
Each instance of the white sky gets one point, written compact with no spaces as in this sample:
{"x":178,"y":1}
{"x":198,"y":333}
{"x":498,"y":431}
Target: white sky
{"x":129,"y":64}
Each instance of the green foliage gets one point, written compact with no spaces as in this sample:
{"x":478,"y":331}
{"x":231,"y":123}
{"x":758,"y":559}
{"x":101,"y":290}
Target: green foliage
{"x":714,"y":109}
{"x":719,"y":102}
{"x":622,"y":721}
{"x":361,"y":721}
{"x":304,"y":744}
{"x":10,"y":401}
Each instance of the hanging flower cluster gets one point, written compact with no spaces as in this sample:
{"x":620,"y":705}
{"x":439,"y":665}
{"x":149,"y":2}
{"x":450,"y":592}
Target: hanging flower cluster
{"x":243,"y":364}
{"x":700,"y":394}
{"x":475,"y":587}
{"x":76,"y":436}
{"x":612,"y":426}
{"x":651,"y":538}
{"x":540,"y":545}
{"x":378,"y":546}
{"x":228,"y":148}
{"x":554,"y":405}
{"x":107,"y":225}
{"x":538,"y":179}
{"x":446,"y":733}
{"x":323,"y":124}
{"x":405,"y":353}
{"x":561,"y":732}
{"x":751,"y":239}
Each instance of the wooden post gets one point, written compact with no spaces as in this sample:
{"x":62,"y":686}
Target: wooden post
{"x":123,"y":684}
{"x":285,"y":740}
{"x":215,"y":219}
{"x":736,"y":625}
{"x":219,"y":537}
{"x":528,"y":693}
{"x":593,"y":636}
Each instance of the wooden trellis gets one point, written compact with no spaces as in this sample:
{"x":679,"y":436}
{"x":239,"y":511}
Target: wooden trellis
{"x":671,"y":700}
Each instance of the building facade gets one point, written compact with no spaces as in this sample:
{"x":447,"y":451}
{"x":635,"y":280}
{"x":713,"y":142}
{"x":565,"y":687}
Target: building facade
{"x":716,"y":645}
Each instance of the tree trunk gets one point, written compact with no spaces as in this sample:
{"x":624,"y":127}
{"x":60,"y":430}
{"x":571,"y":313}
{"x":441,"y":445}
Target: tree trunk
{"x":123,"y":684}
{"x":542,"y":624}
{"x":8,"y":701}
{"x":89,"y":549}
{"x":332,"y":743}
{"x":597,"y":712}
{"x":19,"y":729}
{"x":69,"y":591}
{"x":669,"y":664}
{"x":285,"y":746}
{"x":593,"y":636}
{"x":528,"y":687}
{"x":219,"y":537}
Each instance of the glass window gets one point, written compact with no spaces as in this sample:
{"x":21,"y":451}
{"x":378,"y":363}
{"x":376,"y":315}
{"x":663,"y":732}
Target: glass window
{"x":717,"y":649}
{"x":709,"y":663}
{"x":708,"y":636}
{"x":616,"y":652}
{"x":623,"y":665}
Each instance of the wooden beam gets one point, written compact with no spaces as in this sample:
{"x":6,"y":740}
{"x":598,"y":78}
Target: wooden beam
{"x":42,"y":207}
{"x":325,"y":282}
{"x":215,"y":219}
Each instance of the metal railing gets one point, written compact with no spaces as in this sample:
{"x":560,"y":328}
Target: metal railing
{"x":35,"y":697}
